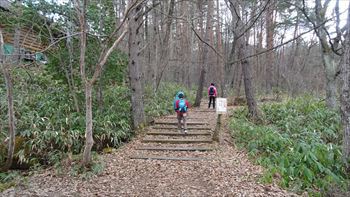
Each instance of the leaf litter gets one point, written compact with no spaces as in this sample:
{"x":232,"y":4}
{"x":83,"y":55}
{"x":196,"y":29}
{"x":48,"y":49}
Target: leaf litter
{"x":227,"y":172}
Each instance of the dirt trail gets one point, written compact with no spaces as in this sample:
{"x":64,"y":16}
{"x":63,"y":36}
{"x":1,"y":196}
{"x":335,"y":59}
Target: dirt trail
{"x":223,"y":171}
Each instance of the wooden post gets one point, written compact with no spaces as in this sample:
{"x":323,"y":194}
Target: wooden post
{"x":221,"y":108}
{"x":216,"y":135}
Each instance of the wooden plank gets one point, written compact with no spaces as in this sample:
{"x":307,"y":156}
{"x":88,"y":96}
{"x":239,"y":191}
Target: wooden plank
{"x":30,"y":46}
{"x":177,"y":133}
{"x":175,"y":117}
{"x":175,"y":123}
{"x":170,"y":158}
{"x":176,"y":148}
{"x":26,"y":40}
{"x":177,"y":141}
{"x":189,"y":128}
{"x":212,"y":111}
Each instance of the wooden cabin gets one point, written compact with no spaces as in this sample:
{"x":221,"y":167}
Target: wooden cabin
{"x":31,"y":46}
{"x":5,"y":5}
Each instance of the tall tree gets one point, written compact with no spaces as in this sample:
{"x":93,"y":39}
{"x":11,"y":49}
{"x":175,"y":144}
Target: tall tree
{"x":205,"y":49}
{"x":6,"y":70}
{"x":345,"y":95}
{"x":80,"y":7}
{"x":164,"y":53}
{"x":270,"y":26}
{"x":155,"y":46}
{"x":219,"y":61}
{"x":135,"y":40}
{"x":330,"y":63}
{"x":242,"y":42}
{"x":16,"y":40}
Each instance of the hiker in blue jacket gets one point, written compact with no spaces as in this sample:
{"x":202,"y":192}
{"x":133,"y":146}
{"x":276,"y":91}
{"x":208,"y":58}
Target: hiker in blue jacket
{"x":181,"y":108}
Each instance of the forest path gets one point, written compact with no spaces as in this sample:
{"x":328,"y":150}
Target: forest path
{"x":221,"y":171}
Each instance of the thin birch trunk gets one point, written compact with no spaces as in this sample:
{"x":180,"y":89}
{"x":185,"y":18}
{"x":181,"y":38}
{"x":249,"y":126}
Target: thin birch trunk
{"x":6,"y":69}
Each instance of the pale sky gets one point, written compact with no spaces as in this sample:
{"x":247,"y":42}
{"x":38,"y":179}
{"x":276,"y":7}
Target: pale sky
{"x":343,"y":5}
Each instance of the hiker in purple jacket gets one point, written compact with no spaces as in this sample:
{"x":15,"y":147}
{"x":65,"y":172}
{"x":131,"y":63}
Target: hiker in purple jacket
{"x":212,"y":94}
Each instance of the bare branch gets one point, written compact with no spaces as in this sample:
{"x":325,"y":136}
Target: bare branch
{"x":105,"y":57}
{"x":326,"y":3}
{"x":277,"y":46}
{"x":199,"y":37}
{"x":255,"y":20}
{"x":59,"y":40}
{"x":322,"y":41}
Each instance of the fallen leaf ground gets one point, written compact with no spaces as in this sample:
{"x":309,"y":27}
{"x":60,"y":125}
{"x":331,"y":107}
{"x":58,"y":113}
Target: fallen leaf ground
{"x":227,"y":172}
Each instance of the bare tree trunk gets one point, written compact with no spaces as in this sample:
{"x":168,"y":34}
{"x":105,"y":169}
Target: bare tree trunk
{"x":104,"y":54}
{"x":295,"y":44}
{"x":16,"y":46}
{"x":204,"y":66}
{"x":200,"y":56}
{"x":2,"y":61}
{"x":270,"y":74}
{"x":69,"y":69}
{"x":331,"y":67}
{"x":116,"y":6}
{"x":329,"y":62}
{"x":345,"y":96}
{"x":89,"y":141}
{"x":238,"y":79}
{"x":211,"y":68}
{"x":261,"y":66}
{"x":16,"y":40}
{"x":248,"y":87}
{"x":11,"y":117}
{"x":135,"y":38}
{"x":164,"y":57}
{"x":99,"y":92}
{"x":81,"y":10}
{"x":154,"y":46}
{"x":232,"y":69}
{"x":6,"y":69}
{"x":242,"y":44}
{"x":219,"y":61}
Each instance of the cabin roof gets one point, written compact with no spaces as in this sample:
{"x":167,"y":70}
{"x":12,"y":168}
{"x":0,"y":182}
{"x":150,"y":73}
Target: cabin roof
{"x":5,"y":4}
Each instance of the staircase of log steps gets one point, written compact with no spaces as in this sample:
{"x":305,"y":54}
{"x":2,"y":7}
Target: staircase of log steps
{"x":163,"y":141}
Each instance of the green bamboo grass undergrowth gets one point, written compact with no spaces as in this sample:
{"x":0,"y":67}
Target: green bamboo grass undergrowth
{"x":299,"y":141}
{"x":49,"y":127}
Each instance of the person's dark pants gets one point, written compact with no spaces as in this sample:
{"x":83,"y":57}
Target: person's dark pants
{"x":211,"y":98}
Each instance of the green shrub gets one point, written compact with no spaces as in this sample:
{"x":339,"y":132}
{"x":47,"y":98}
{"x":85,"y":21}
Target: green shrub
{"x":46,"y":117}
{"x":49,"y":125}
{"x":300,"y":141}
{"x":10,"y":179}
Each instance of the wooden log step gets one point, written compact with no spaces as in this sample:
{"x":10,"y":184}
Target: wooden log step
{"x":175,"y":123}
{"x":177,"y":133}
{"x":188,"y":128}
{"x":176,"y":148}
{"x":188,"y":118}
{"x":205,"y":110}
{"x":177,"y":141}
{"x":170,"y":158}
